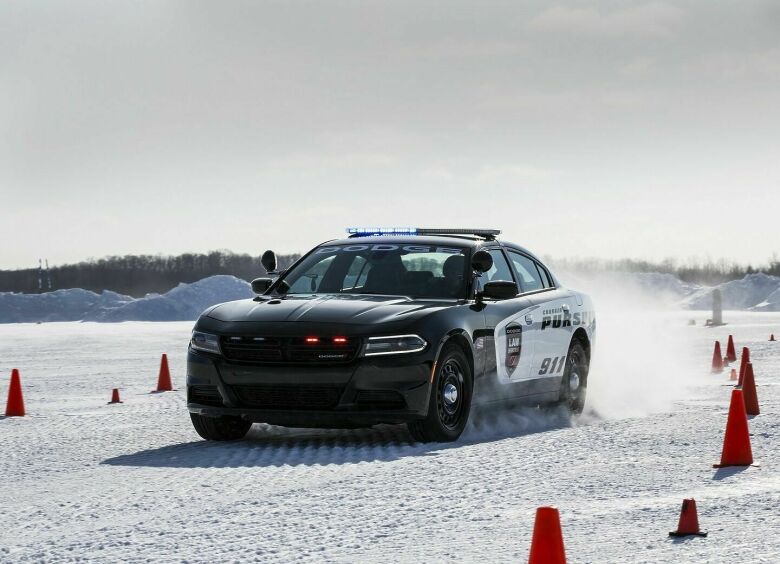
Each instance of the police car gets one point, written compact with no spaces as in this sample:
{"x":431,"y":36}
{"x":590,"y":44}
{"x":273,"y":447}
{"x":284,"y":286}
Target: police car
{"x":391,"y":325}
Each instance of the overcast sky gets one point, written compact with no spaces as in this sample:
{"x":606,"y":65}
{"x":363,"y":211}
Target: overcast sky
{"x":607,"y":129}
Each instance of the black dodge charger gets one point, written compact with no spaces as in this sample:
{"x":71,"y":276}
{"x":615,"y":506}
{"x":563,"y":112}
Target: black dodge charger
{"x":391,"y":325}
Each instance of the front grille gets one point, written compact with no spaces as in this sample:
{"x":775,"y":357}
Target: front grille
{"x":289,"y":350}
{"x":205,"y":395}
{"x":288,"y":397}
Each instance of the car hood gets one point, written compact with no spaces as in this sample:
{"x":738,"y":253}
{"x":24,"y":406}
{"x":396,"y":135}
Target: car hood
{"x":337,"y":308}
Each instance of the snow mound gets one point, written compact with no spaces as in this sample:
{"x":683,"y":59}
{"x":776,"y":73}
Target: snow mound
{"x":183,"y":303}
{"x":756,"y":291}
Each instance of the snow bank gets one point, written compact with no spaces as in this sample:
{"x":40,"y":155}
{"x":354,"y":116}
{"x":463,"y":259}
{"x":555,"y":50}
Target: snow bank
{"x":183,"y":303}
{"x":754,"y":292}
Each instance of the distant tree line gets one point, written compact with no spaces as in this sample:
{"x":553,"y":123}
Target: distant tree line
{"x":137,"y":275}
{"x":694,"y":270}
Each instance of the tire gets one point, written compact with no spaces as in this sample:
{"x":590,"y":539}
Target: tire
{"x":450,"y":399}
{"x":574,"y":384}
{"x":220,"y":428}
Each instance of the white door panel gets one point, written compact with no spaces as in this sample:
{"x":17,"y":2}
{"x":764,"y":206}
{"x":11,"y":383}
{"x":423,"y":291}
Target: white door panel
{"x":515,"y":339}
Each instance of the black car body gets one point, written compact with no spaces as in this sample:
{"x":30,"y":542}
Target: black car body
{"x":354,"y":332}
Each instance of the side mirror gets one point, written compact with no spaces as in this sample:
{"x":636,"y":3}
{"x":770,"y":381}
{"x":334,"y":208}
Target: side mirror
{"x":500,"y":290}
{"x":268,"y":260}
{"x":260,"y":285}
{"x":481,"y":261}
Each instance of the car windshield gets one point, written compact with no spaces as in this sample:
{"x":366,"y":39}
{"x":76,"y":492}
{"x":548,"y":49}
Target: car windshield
{"x":402,"y":269}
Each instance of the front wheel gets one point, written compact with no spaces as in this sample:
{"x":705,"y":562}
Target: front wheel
{"x":450,"y":399}
{"x":574,"y":384}
{"x":220,"y":428}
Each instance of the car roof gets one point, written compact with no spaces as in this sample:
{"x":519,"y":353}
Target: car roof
{"x":437,"y":240}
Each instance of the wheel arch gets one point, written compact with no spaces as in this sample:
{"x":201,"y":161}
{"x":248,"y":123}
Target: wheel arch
{"x":462,"y":339}
{"x":582,"y":336}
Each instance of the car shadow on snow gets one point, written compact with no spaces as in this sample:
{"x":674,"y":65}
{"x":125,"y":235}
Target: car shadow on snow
{"x":267,"y":445}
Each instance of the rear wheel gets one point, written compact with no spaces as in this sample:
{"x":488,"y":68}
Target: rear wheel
{"x":574,"y":384}
{"x":450,"y":399}
{"x":220,"y":428}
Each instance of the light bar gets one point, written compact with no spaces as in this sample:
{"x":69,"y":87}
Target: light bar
{"x":367,"y":231}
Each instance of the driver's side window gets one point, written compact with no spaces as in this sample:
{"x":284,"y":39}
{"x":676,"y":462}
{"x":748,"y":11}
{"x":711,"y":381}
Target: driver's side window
{"x":500,"y":269}
{"x":310,"y":282}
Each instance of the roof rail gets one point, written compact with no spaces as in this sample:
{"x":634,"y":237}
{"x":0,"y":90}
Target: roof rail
{"x":487,"y":234}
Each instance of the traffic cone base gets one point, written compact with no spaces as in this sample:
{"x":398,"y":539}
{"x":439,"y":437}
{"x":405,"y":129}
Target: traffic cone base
{"x":754,"y":464}
{"x":15,"y":405}
{"x":164,"y":379}
{"x":115,"y":397}
{"x":689,"y":521}
{"x":736,"y":441}
{"x":547,"y":541}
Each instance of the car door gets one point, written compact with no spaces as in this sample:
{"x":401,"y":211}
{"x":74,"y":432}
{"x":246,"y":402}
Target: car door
{"x":550,"y":311}
{"x":513,"y":336}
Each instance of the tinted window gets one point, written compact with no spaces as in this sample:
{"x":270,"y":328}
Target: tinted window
{"x":500,"y":269}
{"x":404,"y":269}
{"x":546,"y":278}
{"x":528,"y":274}
{"x":311,"y":280}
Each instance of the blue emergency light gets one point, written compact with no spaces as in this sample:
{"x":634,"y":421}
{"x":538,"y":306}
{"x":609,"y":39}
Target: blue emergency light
{"x":366,"y":231}
{"x":369,"y":231}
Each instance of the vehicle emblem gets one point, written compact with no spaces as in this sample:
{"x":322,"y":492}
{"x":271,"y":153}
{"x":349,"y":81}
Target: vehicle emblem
{"x":514,"y":344}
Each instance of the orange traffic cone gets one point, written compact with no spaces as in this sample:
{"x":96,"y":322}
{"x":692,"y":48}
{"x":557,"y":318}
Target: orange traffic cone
{"x":731,"y":352}
{"x":725,"y":362}
{"x":736,"y":442}
{"x":749,"y":391}
{"x":547,"y":542}
{"x":115,"y":396}
{"x":164,"y":379}
{"x":717,"y":359}
{"x":772,"y":337}
{"x":689,"y":521}
{"x":15,"y":405}
{"x":742,"y":363}
{"x":733,"y":374}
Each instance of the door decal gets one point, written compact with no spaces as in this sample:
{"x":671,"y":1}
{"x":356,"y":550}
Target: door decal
{"x":514,"y":346}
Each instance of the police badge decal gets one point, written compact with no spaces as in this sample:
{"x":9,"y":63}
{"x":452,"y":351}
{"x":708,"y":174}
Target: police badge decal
{"x":514,"y":343}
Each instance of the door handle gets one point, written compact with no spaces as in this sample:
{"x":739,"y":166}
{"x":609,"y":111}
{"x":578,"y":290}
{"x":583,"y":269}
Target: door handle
{"x":529,"y":319}
{"x":565,"y":307}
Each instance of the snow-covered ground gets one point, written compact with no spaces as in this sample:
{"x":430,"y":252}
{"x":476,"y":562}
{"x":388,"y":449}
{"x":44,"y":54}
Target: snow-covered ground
{"x":86,"y":481}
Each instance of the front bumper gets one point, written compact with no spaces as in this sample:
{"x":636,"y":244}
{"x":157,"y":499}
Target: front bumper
{"x":368,"y":391}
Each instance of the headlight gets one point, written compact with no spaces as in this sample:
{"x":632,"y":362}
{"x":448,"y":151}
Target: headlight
{"x":205,"y":342}
{"x":394,"y":345}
